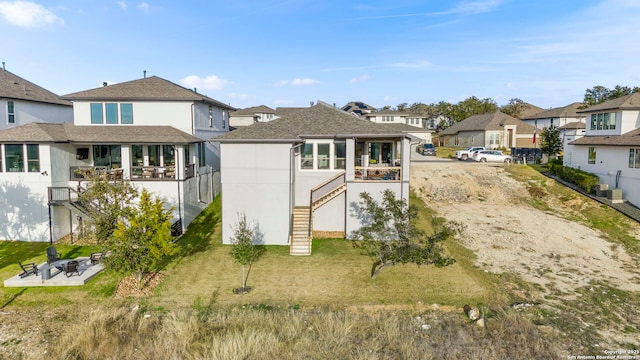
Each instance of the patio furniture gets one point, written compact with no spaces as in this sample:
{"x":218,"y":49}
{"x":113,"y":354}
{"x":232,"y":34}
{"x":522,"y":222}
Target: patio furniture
{"x":71,"y":267}
{"x":52,"y":255}
{"x":28,"y":269}
{"x":95,"y":258}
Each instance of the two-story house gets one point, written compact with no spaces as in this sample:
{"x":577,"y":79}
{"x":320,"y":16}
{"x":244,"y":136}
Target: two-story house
{"x":23,"y":102}
{"x":610,"y":147}
{"x":251,"y":115}
{"x":304,"y":172}
{"x":555,"y":117}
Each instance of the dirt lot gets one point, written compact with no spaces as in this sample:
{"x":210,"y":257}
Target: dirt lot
{"x":509,"y":236}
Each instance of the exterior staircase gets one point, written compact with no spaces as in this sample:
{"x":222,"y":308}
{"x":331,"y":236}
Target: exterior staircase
{"x":70,"y":199}
{"x":300,"y":235}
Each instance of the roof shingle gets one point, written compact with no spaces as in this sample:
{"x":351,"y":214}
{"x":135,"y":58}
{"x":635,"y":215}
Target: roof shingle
{"x":14,"y":87}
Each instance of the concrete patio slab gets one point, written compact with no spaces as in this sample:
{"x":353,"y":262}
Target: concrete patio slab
{"x":58,"y":278}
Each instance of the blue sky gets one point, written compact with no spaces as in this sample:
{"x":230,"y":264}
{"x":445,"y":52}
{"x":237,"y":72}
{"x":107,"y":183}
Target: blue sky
{"x":288,"y":53}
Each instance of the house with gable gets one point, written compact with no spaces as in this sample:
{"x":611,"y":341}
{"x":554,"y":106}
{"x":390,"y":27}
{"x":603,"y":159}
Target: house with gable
{"x":147,"y":132}
{"x":556,"y":117}
{"x":610,"y":147}
{"x":358,"y":108}
{"x":23,"y":102}
{"x":492,"y":130}
{"x":304,"y":173}
{"x":251,"y":115}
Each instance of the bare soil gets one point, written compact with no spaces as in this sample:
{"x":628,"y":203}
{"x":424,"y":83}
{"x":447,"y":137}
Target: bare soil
{"x":510,"y":236}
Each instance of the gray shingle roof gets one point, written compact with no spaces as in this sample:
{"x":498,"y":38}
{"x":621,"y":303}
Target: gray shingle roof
{"x":628,"y":102}
{"x":489,"y":121}
{"x":43,"y":132}
{"x":316,"y":121}
{"x":632,"y":138}
{"x":573,"y":125}
{"x":263,"y":109}
{"x":282,"y":111}
{"x":14,"y":87}
{"x":570,"y":110}
{"x":530,"y":110}
{"x":146,"y":89}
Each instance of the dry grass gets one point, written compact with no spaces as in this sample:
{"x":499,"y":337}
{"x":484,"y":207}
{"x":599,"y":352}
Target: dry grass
{"x":274,"y":333}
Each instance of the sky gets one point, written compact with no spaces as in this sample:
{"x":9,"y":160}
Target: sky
{"x":292,"y":52}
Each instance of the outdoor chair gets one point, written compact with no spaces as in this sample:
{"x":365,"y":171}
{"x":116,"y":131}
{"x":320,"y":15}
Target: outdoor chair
{"x":95,"y":258}
{"x":28,"y":269}
{"x":72,"y":267}
{"x":52,"y":255}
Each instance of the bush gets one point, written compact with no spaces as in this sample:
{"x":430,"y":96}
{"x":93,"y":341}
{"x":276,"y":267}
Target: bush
{"x":586,"y":181}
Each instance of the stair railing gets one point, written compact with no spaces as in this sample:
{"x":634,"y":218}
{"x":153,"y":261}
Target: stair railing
{"x":322,"y":190}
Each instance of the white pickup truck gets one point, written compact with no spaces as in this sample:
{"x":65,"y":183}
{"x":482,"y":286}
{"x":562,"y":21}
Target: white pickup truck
{"x":468,"y":152}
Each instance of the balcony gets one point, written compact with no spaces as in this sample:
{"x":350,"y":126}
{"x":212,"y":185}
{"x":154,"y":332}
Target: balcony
{"x":137,"y":173}
{"x":378,"y":173}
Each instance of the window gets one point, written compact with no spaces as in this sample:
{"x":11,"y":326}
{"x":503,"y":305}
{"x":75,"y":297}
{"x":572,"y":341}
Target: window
{"x":154,"y":155}
{"x":107,"y":156}
{"x":592,"y":155}
{"x":126,"y":113}
{"x":14,"y":158}
{"x":137,"y":158}
{"x":33,"y":158}
{"x":1,"y":158}
{"x":201,"y":154}
{"x":96,"y":113}
{"x":211,"y":115}
{"x":11,"y":115}
{"x":225,"y":114}
{"x":324,"y":156}
{"x":168,"y":157}
{"x":112,"y":113}
{"x":341,"y":155}
{"x":603,"y":121}
{"x":634,"y":158}
{"x":306,"y":160}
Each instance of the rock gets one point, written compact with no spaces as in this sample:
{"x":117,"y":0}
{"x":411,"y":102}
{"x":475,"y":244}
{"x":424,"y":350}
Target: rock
{"x":472,"y":313}
{"x":480,"y":322}
{"x":426,"y":327}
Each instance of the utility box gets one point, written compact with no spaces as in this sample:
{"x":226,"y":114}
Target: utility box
{"x":615,"y":195}
{"x":602,"y":190}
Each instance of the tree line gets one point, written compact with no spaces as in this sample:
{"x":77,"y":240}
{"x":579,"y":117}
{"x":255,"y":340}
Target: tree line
{"x":446,"y":113}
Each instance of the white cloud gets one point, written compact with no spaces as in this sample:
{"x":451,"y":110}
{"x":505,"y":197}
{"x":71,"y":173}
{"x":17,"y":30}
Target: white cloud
{"x":361,"y":78}
{"x":475,"y":7}
{"x":416,"y":65}
{"x":122,"y":4}
{"x":305,"y":81}
{"x":144,"y":6}
{"x":28,"y":15}
{"x":297,"y":82}
{"x":210,"y":82}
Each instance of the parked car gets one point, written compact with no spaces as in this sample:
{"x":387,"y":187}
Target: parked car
{"x":426,"y":149}
{"x":491,"y":156}
{"x":468,"y":152}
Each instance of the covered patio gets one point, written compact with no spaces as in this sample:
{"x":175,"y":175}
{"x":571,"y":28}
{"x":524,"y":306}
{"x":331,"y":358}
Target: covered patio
{"x":86,"y":271}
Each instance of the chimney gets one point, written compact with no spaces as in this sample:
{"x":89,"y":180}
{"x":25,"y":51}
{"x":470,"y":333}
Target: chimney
{"x":104,"y":83}
{"x":3,"y":68}
{"x":311,"y":103}
{"x":144,"y":73}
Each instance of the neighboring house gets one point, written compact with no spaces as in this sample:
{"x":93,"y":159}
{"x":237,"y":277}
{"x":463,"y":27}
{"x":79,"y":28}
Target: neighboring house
{"x":282,"y":111}
{"x":358,"y":108}
{"x":251,"y":115}
{"x":571,"y":131}
{"x":154,"y":101}
{"x":43,"y":167}
{"x":611,"y":145}
{"x":492,"y":130}
{"x":304,"y":172}
{"x":22,"y":102}
{"x":529,"y":110}
{"x":555,"y":117}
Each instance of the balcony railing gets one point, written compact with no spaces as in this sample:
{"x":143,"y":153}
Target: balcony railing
{"x":153,"y":172}
{"x":378,"y":173}
{"x":85,"y":172}
{"x":136,"y":172}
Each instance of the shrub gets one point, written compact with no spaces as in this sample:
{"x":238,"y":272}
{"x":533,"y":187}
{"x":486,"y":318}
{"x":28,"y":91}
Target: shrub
{"x":586,"y":181}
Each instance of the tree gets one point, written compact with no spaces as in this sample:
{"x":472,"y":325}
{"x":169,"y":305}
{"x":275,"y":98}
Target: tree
{"x":243,"y":250}
{"x":471,"y":106}
{"x":515,"y":108}
{"x":142,"y":240}
{"x":599,"y":94}
{"x":390,"y":235}
{"x":106,"y":203}
{"x":550,"y":141}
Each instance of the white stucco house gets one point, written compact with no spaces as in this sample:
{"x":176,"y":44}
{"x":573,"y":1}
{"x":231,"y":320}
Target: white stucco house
{"x":44,"y":168}
{"x":251,"y":115}
{"x":556,"y":117}
{"x":610,"y":147}
{"x":23,"y":102}
{"x":304,"y":173}
{"x":154,"y":101}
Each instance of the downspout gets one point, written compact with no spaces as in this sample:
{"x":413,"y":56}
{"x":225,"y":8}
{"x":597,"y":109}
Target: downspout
{"x":177,"y":158}
{"x":193,"y":126}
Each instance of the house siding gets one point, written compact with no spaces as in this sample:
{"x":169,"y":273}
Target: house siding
{"x":27,"y":112}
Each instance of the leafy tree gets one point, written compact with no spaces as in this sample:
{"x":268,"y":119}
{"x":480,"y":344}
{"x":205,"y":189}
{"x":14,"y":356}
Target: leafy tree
{"x":471,"y":106}
{"x":243,"y":250}
{"x":402,"y":107}
{"x":142,"y":240}
{"x":550,"y":141}
{"x":106,"y":202}
{"x":599,"y":94}
{"x":390,"y":235}
{"x":515,"y":108}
